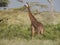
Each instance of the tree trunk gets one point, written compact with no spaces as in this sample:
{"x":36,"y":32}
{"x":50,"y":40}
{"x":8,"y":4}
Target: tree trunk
{"x":52,"y":11}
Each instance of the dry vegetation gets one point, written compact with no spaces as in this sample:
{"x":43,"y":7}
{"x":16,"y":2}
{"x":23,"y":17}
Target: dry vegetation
{"x":16,"y":30}
{"x":28,"y":42}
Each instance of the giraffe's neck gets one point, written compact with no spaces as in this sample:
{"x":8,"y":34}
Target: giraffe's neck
{"x":32,"y":18}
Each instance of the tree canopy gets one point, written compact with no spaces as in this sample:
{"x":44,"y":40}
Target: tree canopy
{"x":3,"y":3}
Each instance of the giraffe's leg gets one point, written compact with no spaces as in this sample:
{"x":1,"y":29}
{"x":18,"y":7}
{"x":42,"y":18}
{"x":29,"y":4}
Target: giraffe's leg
{"x":32,"y":31}
{"x":39,"y":31}
{"x":42,"y":31}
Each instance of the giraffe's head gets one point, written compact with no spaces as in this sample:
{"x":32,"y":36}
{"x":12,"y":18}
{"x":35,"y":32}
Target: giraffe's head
{"x":26,"y":5}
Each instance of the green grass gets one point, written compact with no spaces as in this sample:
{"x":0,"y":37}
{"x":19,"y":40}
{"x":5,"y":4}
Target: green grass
{"x":24,"y":31}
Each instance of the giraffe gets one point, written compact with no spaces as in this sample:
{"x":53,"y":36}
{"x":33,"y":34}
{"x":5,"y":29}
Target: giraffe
{"x":35,"y":25}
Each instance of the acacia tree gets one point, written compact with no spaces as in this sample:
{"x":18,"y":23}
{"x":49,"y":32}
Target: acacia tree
{"x":4,"y":3}
{"x":38,"y":4}
{"x":51,"y":6}
{"x":52,"y":9}
{"x":20,"y":1}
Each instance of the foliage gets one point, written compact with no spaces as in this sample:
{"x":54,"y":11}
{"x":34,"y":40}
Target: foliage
{"x":38,"y":4}
{"x":23,"y":8}
{"x":3,"y":3}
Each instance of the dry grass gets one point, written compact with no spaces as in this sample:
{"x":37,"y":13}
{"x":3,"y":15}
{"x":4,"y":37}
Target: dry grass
{"x":18,"y":17}
{"x":29,"y":42}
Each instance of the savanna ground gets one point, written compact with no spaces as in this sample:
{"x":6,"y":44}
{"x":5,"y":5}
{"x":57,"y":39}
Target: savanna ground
{"x":15,"y":28}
